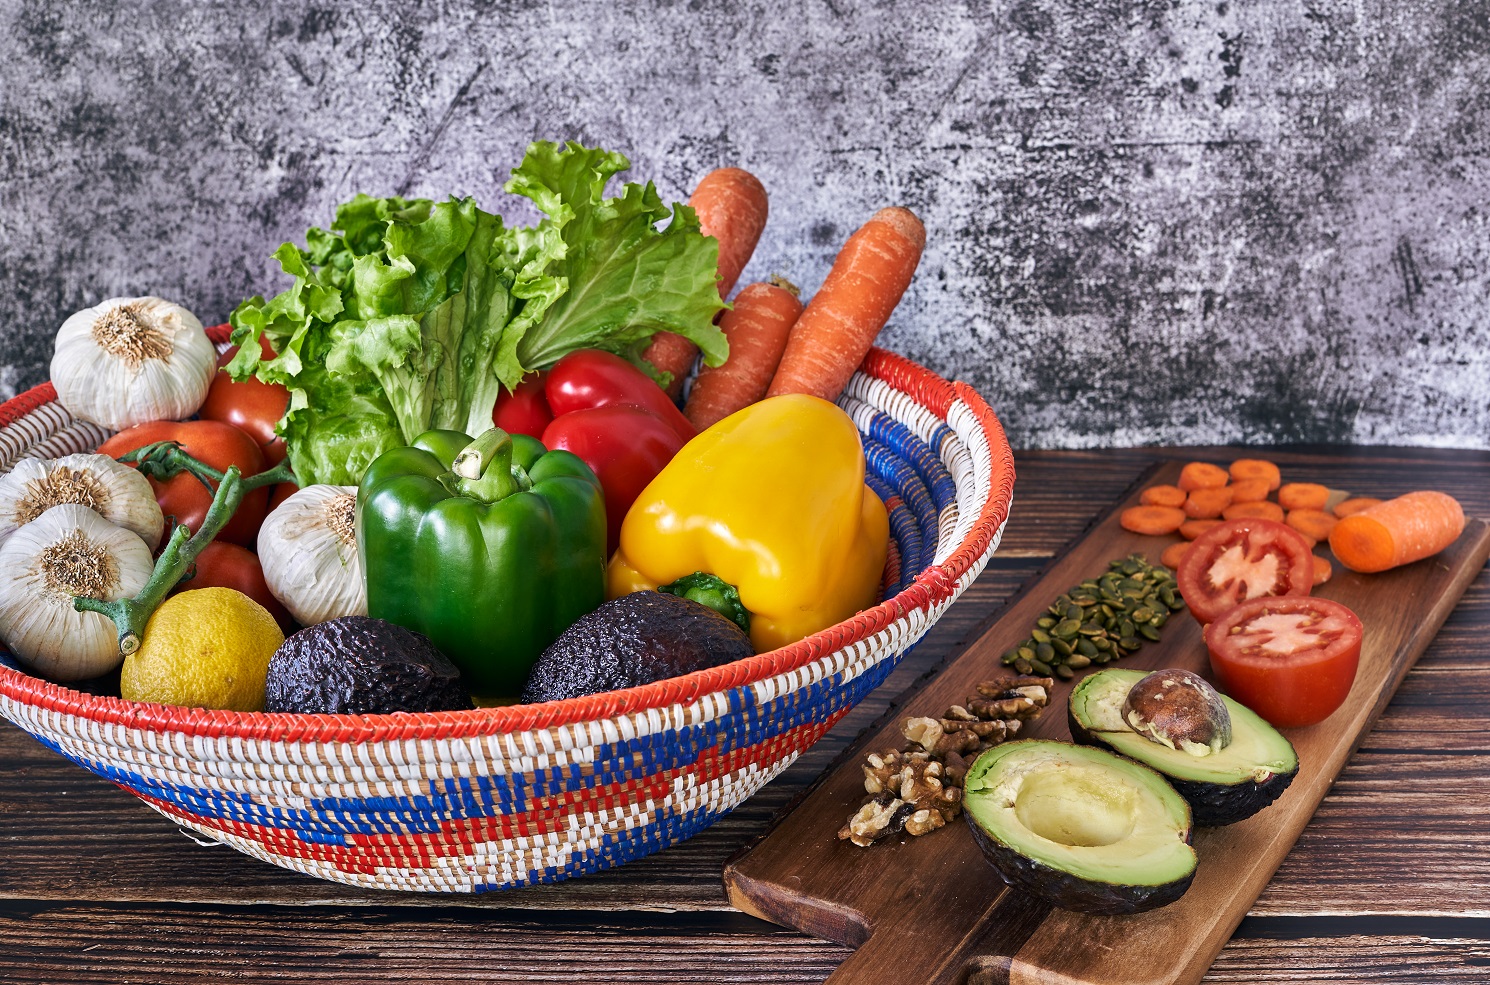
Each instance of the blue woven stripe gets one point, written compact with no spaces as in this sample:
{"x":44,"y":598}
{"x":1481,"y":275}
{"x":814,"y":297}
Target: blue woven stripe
{"x":903,"y":527}
{"x":913,"y":492}
{"x":897,"y":437}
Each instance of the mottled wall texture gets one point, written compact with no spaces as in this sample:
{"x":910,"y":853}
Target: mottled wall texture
{"x":1151,"y":221}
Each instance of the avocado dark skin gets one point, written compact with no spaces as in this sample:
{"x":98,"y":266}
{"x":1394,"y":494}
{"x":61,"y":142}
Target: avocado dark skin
{"x":634,"y":640}
{"x":356,"y":665}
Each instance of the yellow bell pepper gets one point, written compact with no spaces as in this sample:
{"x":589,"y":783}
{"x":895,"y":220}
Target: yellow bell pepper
{"x":772,"y":501}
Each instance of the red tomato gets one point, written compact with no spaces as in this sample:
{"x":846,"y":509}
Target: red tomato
{"x":589,"y":378}
{"x":524,"y":410}
{"x":279,"y":492}
{"x":625,"y":447}
{"x":251,"y":406}
{"x":184,"y":498}
{"x":223,"y":565}
{"x":1291,"y":659}
{"x":1243,"y":559}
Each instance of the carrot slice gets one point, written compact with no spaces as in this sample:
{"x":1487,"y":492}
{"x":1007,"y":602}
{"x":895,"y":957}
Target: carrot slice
{"x":1174,"y":554}
{"x":1312,"y":523}
{"x":1399,"y":531}
{"x":1256,"y":468}
{"x":1191,"y":529}
{"x":1351,"y":507}
{"x":1322,"y":570}
{"x":1151,"y":519}
{"x":1249,"y":491}
{"x":1162,"y":495}
{"x":1201,"y":475}
{"x":1206,"y":504}
{"x":1303,"y":496}
{"x":1260,"y":508}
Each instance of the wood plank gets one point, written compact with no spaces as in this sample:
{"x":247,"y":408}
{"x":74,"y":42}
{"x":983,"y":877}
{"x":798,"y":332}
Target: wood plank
{"x":795,"y":875}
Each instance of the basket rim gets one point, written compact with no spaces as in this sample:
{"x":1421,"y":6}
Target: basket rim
{"x":935,"y":584}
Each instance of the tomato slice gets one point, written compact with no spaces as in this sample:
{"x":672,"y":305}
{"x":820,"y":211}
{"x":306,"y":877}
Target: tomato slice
{"x":1243,"y":559}
{"x":1290,"y":659}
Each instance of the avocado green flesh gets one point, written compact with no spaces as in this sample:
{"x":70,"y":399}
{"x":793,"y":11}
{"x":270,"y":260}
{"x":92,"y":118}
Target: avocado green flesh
{"x":1080,"y":827}
{"x":1257,"y":750}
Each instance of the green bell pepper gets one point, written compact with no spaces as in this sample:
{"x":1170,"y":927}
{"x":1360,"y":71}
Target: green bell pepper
{"x":490,"y":547}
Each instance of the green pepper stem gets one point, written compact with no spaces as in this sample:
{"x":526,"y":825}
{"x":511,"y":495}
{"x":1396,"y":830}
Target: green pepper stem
{"x":131,"y":615}
{"x":485,"y":471}
{"x":714,"y":592}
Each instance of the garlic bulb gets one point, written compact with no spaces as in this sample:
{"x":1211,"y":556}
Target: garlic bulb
{"x":132,"y":360}
{"x":68,"y":550}
{"x":308,"y":547}
{"x":111,"y":489}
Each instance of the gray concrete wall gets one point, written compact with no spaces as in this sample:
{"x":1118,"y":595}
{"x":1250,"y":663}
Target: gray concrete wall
{"x":1150,"y":222}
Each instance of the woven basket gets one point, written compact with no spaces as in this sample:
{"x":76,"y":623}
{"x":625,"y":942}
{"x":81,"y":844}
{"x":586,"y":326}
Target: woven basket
{"x":498,"y":797}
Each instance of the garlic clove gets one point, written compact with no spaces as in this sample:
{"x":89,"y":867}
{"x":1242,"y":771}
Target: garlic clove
{"x":308,"y":548}
{"x":111,"y":489}
{"x":68,"y":550}
{"x":127,"y":361}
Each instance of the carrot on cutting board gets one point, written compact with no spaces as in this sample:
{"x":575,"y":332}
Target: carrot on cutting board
{"x":1259,"y":508}
{"x":1256,"y":468}
{"x":1151,"y":519}
{"x":1322,"y":570}
{"x":731,"y":204}
{"x":1191,"y":529}
{"x":1303,"y":496}
{"x":1174,"y":554}
{"x":1315,"y":524}
{"x":1207,"y":504}
{"x":1354,"y":505}
{"x":1201,"y":475}
{"x":757,"y":329}
{"x":1162,"y":495}
{"x":841,"y":321}
{"x":1399,"y":531}
{"x":1250,"y":491}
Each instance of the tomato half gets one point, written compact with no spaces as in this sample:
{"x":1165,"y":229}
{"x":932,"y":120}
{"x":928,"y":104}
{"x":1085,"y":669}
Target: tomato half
{"x":222,"y":565}
{"x":184,"y":497}
{"x":251,"y":406}
{"x":1290,"y":659}
{"x":1243,"y":559}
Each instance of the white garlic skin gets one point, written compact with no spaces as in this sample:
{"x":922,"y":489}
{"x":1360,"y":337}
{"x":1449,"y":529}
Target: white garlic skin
{"x":37,"y":620}
{"x":126,"y":361}
{"x":111,"y":489}
{"x":308,"y":548}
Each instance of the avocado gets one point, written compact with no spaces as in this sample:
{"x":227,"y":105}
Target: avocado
{"x":633,"y":640}
{"x":1079,"y":827}
{"x":357,"y":665}
{"x":1223,"y":786}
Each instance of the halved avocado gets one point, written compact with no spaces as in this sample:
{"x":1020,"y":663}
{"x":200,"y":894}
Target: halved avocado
{"x":1223,"y":787}
{"x":1080,"y":827}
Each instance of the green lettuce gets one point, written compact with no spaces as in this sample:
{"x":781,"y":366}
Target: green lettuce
{"x":409,"y":314}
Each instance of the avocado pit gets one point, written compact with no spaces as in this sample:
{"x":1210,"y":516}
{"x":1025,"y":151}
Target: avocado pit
{"x":1179,"y":710}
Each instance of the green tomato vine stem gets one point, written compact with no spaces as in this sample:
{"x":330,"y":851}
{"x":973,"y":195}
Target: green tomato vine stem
{"x":165,"y":460}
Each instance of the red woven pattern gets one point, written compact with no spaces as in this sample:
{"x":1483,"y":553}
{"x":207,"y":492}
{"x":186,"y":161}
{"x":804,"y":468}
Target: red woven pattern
{"x":24,"y":403}
{"x":934,"y":585}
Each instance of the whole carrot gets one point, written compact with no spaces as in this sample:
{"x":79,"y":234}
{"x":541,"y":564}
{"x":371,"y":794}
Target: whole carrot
{"x":731,"y":205}
{"x":757,"y":329}
{"x":1399,"y":531}
{"x":841,"y":321}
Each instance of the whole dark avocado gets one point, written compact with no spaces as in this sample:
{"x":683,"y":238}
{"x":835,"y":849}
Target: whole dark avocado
{"x":361,"y":666}
{"x":634,"y":640}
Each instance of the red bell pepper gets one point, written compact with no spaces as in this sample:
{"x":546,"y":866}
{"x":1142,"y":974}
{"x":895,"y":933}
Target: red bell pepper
{"x":609,"y":413}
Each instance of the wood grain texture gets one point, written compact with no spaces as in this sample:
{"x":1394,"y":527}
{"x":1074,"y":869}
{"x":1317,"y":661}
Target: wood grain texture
{"x":868,"y":898}
{"x":97,"y":888}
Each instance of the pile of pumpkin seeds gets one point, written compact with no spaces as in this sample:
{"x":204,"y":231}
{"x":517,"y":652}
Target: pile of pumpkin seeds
{"x":1100,"y":620}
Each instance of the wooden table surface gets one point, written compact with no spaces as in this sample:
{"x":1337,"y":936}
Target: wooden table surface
{"x":1389,"y":883}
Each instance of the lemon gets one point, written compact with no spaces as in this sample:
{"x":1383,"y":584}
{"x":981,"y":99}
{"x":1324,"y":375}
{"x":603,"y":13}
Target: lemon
{"x":207,"y":648}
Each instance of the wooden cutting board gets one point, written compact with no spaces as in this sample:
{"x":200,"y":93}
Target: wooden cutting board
{"x":930,"y":909}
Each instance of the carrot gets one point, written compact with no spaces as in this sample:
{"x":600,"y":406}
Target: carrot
{"x":1162,"y":495}
{"x":1206,"y":504}
{"x":1250,"y":491}
{"x":1397,"y":532}
{"x":731,"y":205}
{"x":1201,"y":475}
{"x":1261,"y":508}
{"x":1255,"y":468}
{"x":1350,"y":507}
{"x":1303,"y":496}
{"x":1191,"y":529}
{"x":1316,"y":524}
{"x":757,"y":329}
{"x":1151,"y":519}
{"x":839,"y":324}
{"x":1322,"y":570}
{"x":1174,"y":554}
